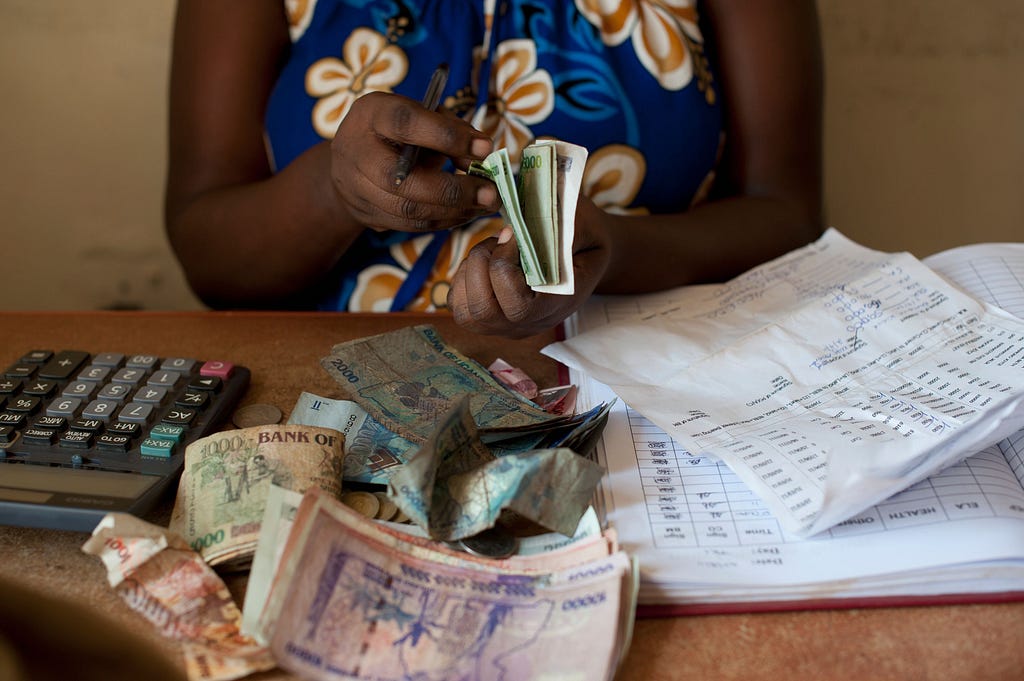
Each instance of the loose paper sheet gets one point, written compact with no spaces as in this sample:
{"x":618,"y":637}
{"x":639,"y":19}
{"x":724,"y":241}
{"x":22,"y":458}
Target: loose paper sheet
{"x":828,"y":379}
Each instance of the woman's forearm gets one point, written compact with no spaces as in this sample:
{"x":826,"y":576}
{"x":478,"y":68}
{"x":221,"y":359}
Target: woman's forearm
{"x":709,"y":243}
{"x":257,"y":242}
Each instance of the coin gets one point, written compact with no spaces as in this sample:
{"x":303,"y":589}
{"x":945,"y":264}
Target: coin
{"x":400,"y":517}
{"x":496,"y":542}
{"x":256,"y":415}
{"x":388,"y":509}
{"x":362,"y":502}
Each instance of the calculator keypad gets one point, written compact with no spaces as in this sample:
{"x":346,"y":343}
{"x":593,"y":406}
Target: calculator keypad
{"x":112,"y":411}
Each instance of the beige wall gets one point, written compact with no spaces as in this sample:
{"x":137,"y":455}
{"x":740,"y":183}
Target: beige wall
{"x":924,"y":139}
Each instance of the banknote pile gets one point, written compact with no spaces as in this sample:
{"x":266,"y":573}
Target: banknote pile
{"x":500,"y":568}
{"x":540,"y":205}
{"x":485,"y":455}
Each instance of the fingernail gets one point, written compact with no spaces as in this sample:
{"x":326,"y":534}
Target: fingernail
{"x":486,"y":195}
{"x":480,"y":147}
{"x":505,"y":235}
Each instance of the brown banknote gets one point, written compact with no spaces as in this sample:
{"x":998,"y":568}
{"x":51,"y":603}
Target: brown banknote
{"x":162,"y":578}
{"x":353,"y":600}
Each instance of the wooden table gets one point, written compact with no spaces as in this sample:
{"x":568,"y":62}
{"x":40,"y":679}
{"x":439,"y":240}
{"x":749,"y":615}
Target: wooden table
{"x":974,"y":642}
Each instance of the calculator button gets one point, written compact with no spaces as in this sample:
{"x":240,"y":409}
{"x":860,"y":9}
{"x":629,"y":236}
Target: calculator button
{"x":211,"y":383}
{"x":7,"y":435}
{"x":193,"y":399}
{"x":12,"y":419}
{"x":24,"y":404}
{"x":165,"y":431}
{"x":217,"y":368}
{"x":63,"y":364}
{"x":154,"y":447}
{"x":113,"y":442}
{"x":9,"y":386}
{"x":125,"y":428}
{"x":37,"y":356}
{"x":146,"y":362}
{"x":164,"y":379}
{"x":143,"y":362}
{"x":113,"y":391}
{"x":65,"y":406}
{"x":180,"y":416}
{"x":136,"y":412}
{"x":108,"y":359}
{"x":39,"y":436}
{"x":76,"y":439}
{"x":150,"y":395}
{"x":20,"y":371}
{"x":80,"y":389}
{"x":91,"y":425}
{"x":182,"y":364}
{"x":100,"y":409}
{"x":93,"y":372}
{"x":51,"y":422}
{"x":40,"y":387}
{"x":130,"y":376}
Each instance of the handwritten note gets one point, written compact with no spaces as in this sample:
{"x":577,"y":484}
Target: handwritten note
{"x":827,"y":380}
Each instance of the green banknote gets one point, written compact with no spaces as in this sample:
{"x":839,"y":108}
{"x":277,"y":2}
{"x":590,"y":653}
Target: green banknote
{"x":454,"y":487}
{"x":408,"y":379}
{"x":540,"y":205}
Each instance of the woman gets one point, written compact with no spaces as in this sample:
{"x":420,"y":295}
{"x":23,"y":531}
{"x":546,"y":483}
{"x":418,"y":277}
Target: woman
{"x":702,"y":120}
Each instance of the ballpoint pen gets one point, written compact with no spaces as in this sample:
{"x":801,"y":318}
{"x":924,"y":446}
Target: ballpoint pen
{"x":430,"y":101}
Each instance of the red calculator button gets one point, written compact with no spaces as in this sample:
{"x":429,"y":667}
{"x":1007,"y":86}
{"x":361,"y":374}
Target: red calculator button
{"x":217,"y":368}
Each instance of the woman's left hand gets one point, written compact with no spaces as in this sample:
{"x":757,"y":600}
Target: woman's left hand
{"x":489,"y":293}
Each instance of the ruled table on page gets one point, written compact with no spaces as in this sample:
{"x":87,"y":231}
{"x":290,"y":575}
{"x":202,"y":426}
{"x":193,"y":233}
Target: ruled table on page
{"x":698,"y":501}
{"x":992,"y":272}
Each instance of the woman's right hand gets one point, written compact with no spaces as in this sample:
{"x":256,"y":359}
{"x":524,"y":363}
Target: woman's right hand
{"x":365,"y":153}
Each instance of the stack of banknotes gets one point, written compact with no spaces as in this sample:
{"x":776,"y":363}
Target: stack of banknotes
{"x":456,"y":450}
{"x":540,"y":205}
{"x":504,"y":571}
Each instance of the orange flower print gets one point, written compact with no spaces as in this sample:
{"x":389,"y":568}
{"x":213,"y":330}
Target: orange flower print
{"x":377,"y":285}
{"x":520,"y":95}
{"x":613,"y":177}
{"x":665,"y":35}
{"x":370,"y":64}
{"x":299,"y":13}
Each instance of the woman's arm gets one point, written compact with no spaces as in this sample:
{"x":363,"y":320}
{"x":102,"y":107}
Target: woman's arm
{"x":767,"y":198}
{"x":246,"y":236}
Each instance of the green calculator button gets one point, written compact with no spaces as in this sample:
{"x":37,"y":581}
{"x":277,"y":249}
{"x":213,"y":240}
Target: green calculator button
{"x":154,"y":447}
{"x":166,"y":431}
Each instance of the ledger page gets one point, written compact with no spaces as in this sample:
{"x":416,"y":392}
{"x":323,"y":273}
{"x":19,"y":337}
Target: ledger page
{"x":701,"y":535}
{"x":827,"y":380}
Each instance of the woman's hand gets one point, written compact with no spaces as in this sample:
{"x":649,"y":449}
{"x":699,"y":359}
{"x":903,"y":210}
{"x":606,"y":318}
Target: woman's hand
{"x":364,"y":160}
{"x":489,"y":293}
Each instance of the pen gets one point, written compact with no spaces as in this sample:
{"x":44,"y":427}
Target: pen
{"x":430,"y":101}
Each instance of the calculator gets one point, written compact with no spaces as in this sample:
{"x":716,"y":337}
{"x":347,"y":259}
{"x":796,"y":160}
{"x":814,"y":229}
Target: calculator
{"x":83,"y":435}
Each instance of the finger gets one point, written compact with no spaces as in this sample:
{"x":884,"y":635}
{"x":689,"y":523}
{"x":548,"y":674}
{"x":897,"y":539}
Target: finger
{"x":481,"y":305}
{"x":441,"y":199}
{"x":406,"y":121}
{"x":508,"y":281}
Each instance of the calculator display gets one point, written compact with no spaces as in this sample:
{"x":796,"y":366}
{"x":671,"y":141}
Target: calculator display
{"x":98,"y":483}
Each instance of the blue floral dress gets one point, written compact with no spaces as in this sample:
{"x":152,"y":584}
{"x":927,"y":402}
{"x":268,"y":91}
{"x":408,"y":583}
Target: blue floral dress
{"x":630,"y":80}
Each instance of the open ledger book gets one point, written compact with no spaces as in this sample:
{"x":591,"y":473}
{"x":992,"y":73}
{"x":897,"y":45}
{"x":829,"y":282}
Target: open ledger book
{"x":706,"y":542}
